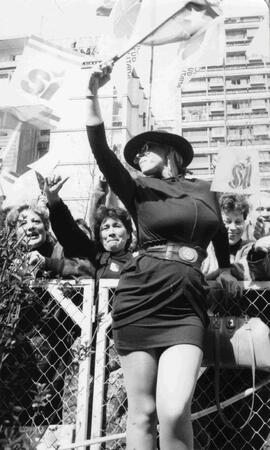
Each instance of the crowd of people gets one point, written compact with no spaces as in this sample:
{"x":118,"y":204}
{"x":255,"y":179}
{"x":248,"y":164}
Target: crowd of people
{"x":172,"y":236}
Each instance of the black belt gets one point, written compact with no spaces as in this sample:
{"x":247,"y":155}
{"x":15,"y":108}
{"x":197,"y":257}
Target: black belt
{"x":171,"y":251}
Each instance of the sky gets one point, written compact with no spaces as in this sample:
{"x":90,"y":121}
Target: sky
{"x":61,"y":18}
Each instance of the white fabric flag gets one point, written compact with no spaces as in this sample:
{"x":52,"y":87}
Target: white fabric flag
{"x":41,"y":83}
{"x":259,"y":46}
{"x":46,"y":165}
{"x":158,"y":22}
{"x":6,"y":182}
{"x":206,"y":48}
{"x":181,"y":20}
{"x":237,"y":171}
{"x":25,"y":189}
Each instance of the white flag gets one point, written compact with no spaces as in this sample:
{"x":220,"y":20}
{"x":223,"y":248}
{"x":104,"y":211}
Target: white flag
{"x":7,"y":180}
{"x":205,"y":48}
{"x":237,"y":171}
{"x":158,"y":22}
{"x":169,"y":21}
{"x":40,"y":83}
{"x":25,"y":189}
{"x":259,"y":46}
{"x":46,"y":164}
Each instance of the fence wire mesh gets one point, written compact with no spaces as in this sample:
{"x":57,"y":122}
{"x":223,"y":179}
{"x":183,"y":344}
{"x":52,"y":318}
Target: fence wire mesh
{"x":44,"y":367}
{"x":61,"y":381}
{"x":210,"y":433}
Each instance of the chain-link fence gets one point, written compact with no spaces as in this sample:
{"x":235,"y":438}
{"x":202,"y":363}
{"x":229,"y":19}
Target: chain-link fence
{"x":61,"y":381}
{"x":109,"y":411}
{"x":45,"y":376}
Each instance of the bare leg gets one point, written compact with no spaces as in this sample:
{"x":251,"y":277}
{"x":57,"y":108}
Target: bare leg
{"x":177,"y":375}
{"x":140,"y":374}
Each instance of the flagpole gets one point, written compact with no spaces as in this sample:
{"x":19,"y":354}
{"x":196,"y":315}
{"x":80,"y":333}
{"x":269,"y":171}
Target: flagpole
{"x":150,"y":86}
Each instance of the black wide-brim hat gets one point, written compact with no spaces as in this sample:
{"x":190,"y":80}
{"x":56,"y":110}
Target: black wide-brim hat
{"x":180,"y":144}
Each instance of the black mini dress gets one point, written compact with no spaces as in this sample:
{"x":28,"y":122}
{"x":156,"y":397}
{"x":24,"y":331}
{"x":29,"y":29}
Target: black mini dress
{"x":159,"y":303}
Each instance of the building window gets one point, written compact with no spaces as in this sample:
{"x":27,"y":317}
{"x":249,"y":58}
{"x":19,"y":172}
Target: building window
{"x":194,"y":113}
{"x":257,"y":79}
{"x":197,"y":135}
{"x":235,"y":35}
{"x":258,"y":104}
{"x":236,"y":58}
{"x":218,"y":132}
{"x":260,"y":130}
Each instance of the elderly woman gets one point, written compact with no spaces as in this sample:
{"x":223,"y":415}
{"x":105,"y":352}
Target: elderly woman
{"x":37,"y":363}
{"x":31,"y":225}
{"x":159,"y":311}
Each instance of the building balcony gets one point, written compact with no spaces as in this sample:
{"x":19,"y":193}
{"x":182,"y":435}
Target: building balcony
{"x":261,"y":133}
{"x":214,"y":83}
{"x":210,"y":121}
{"x":257,"y":81}
{"x":216,"y":134}
{"x":237,"y":47}
{"x":197,"y":139}
{"x":243,"y":111}
{"x":259,"y":106}
{"x":233,"y":71}
{"x":216,"y":108}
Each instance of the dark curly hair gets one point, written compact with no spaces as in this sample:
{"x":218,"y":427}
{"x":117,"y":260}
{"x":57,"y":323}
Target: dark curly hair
{"x":115,"y":213}
{"x":234,"y":203}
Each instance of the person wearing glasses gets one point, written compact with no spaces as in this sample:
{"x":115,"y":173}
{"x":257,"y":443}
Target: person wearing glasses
{"x":159,"y":312}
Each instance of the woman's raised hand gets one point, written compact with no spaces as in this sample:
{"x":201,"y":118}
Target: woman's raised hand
{"x":259,"y":228}
{"x":52,"y":186}
{"x":100,"y":75}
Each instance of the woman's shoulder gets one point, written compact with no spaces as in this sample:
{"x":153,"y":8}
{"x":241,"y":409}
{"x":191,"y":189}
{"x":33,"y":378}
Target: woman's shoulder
{"x":198,"y":184}
{"x":198,"y":181}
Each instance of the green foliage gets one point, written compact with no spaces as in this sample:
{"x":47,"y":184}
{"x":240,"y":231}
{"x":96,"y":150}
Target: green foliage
{"x":15,"y":294}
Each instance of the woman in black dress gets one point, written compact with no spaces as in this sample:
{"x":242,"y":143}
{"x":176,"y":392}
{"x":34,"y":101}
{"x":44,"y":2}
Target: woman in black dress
{"x":159,"y":311}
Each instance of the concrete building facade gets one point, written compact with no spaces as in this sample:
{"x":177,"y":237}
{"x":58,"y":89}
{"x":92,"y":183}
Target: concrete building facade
{"x":229,"y":105}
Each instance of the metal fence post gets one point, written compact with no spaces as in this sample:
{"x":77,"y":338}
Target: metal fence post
{"x":84,"y":365}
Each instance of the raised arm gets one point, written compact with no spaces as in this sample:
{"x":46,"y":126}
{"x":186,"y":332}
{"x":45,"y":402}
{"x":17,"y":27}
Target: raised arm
{"x":73,"y":240}
{"x":115,"y":173}
{"x":60,"y":266}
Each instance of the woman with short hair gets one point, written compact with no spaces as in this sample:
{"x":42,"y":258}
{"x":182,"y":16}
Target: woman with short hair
{"x":31,"y":224}
{"x":109,"y":250}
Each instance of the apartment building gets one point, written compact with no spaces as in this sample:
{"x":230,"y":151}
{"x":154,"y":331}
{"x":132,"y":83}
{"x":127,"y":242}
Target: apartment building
{"x":229,"y":105}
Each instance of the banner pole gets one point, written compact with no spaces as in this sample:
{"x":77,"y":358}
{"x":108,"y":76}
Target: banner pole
{"x":150,"y":87}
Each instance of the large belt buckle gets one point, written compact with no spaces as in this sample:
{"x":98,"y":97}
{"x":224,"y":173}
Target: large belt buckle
{"x":188,"y":254}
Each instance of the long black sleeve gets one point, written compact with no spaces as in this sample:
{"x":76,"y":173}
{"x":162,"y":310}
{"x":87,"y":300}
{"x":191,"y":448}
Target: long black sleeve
{"x":69,"y":267}
{"x":221,"y":241}
{"x":74,"y":241}
{"x":115,"y":173}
